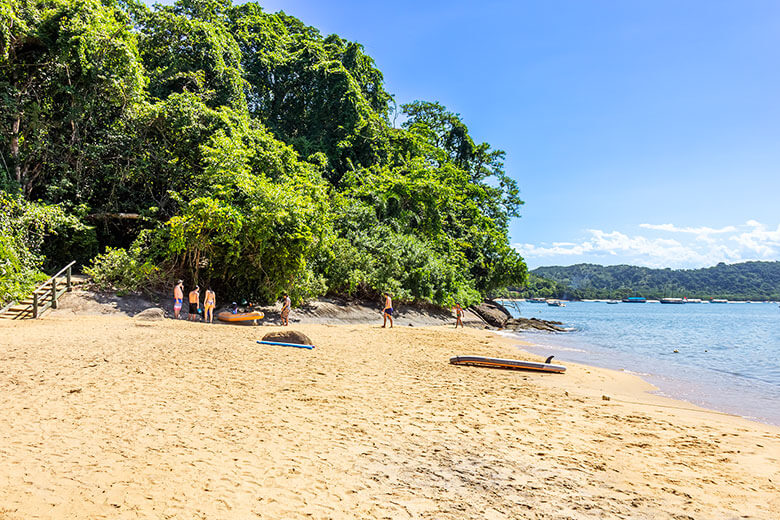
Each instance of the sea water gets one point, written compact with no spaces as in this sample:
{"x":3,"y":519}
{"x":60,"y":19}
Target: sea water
{"x":727,"y":355}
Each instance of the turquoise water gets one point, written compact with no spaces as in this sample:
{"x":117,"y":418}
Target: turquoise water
{"x":728,"y":354}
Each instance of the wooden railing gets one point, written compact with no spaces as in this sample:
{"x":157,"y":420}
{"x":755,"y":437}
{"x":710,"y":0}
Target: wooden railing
{"x":44,"y":297}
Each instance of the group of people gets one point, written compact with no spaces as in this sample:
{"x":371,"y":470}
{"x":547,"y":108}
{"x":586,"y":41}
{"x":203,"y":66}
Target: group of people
{"x":387,"y":312}
{"x":209,"y":303}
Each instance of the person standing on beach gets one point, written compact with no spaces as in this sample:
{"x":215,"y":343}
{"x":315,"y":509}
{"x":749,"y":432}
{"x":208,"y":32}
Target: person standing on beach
{"x":458,"y":315}
{"x":387,"y":311}
{"x":209,"y":302}
{"x":178,"y":298}
{"x":286,"y":305}
{"x":194,"y":303}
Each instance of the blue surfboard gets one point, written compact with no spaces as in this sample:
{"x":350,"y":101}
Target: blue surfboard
{"x":285,"y":344}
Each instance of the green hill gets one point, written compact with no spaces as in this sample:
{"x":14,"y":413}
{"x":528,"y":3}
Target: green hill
{"x":743,"y":281}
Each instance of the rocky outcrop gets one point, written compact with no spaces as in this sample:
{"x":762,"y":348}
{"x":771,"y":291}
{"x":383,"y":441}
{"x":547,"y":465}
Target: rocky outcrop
{"x":288,"y":336}
{"x":493,"y":313}
{"x":152,"y":314}
{"x":534,"y":324}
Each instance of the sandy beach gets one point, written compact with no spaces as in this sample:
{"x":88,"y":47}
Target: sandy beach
{"x":112,"y":417}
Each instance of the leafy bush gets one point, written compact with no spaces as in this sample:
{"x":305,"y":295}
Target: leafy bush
{"x":25,"y":229}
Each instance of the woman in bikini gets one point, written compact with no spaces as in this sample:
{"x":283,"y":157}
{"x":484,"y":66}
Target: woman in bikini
{"x":209,"y":302}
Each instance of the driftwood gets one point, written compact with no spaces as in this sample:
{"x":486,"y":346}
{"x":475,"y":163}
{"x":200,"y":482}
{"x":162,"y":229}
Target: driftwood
{"x":118,"y":216}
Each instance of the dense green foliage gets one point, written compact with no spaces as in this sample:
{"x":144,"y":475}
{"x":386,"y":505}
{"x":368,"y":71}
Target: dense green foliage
{"x":744,"y":281}
{"x":243,"y":150}
{"x":26,"y":229}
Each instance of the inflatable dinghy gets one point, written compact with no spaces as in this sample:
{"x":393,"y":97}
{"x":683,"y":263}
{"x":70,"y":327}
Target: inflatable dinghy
{"x":240,"y":317}
{"x":515,"y":364}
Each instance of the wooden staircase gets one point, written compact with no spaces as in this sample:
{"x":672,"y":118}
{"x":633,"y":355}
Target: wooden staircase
{"x":44,"y":297}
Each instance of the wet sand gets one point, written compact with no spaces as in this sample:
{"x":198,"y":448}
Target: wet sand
{"x":112,"y":417}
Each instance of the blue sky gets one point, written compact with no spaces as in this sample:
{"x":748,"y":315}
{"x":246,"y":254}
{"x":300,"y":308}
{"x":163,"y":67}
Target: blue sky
{"x":642,"y":132}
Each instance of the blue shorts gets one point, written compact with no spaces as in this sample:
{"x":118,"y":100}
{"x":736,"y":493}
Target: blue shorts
{"x":389,"y":311}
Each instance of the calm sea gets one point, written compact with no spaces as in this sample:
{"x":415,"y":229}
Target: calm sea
{"x":728,"y":355}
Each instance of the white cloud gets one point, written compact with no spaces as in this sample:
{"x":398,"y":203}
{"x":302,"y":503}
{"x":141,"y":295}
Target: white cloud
{"x":696,"y":231}
{"x":691,"y":247}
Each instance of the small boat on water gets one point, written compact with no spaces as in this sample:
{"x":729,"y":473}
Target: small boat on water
{"x":634,"y":299}
{"x":535,"y":300}
{"x":692,"y":300}
{"x":612,"y":302}
{"x":672,"y":300}
{"x":556,"y":303}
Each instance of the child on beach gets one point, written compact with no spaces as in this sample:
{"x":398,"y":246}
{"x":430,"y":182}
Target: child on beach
{"x":178,"y":298}
{"x":286,"y":305}
{"x":194,"y":303}
{"x":209,"y":302}
{"x":458,"y":315}
{"x":387,"y":311}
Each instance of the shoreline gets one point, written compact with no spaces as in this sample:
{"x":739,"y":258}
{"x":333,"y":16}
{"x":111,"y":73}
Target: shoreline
{"x":132,"y":418}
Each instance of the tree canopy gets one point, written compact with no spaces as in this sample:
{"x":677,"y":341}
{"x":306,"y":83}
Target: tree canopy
{"x":257,"y":155}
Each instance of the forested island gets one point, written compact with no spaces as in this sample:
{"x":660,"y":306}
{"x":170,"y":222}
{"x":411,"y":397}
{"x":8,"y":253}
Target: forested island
{"x":234,"y":148}
{"x":743,"y":281}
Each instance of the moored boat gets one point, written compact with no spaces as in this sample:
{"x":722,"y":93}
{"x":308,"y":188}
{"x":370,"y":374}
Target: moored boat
{"x":719,"y":300}
{"x":556,"y":303}
{"x":672,"y":300}
{"x":634,"y":299}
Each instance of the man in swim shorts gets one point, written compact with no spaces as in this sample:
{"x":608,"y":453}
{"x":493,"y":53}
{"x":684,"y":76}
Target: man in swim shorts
{"x":194,"y":303}
{"x":209,"y":302}
{"x":387,"y":311}
{"x":286,"y":305}
{"x":178,"y":298}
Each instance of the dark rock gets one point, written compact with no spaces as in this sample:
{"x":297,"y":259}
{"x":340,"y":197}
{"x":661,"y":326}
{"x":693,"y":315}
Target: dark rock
{"x":493,"y":313}
{"x":534,"y":324}
{"x":288,"y":336}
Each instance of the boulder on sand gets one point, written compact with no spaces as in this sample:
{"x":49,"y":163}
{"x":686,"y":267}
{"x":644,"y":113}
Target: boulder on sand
{"x":151,"y":314}
{"x":288,"y":336}
{"x":492,"y":312}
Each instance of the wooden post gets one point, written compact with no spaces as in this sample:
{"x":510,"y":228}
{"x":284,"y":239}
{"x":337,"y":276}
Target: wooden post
{"x":35,"y":304}
{"x":53,"y":293}
{"x":69,"y":285}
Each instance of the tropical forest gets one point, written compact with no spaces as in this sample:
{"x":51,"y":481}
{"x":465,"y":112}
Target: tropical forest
{"x":238,"y":148}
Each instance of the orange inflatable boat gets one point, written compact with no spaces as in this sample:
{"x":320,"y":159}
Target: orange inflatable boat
{"x":240,"y":317}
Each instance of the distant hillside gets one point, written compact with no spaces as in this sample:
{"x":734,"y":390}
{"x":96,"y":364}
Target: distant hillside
{"x":745,"y":281}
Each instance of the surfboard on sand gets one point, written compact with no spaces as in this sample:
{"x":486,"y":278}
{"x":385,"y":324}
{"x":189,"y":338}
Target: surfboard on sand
{"x":514,"y":364}
{"x":280,"y":344}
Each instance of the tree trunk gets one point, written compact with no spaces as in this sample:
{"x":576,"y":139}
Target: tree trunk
{"x":15,"y":148}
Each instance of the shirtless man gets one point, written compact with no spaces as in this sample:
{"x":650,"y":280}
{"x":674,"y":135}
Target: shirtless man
{"x":286,"y":305}
{"x":209,"y":302}
{"x":178,"y":298}
{"x":194,"y":303}
{"x":458,"y":315}
{"x":387,"y":311}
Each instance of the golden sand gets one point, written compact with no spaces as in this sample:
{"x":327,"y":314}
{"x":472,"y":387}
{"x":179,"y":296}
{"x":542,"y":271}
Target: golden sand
{"x":109,"y":417}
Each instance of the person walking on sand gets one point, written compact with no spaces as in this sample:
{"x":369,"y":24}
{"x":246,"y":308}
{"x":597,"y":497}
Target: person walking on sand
{"x":387,"y":311}
{"x":194,"y":303}
{"x":286,"y":306}
{"x":458,"y":315}
{"x":209,"y":302}
{"x":178,"y":298}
